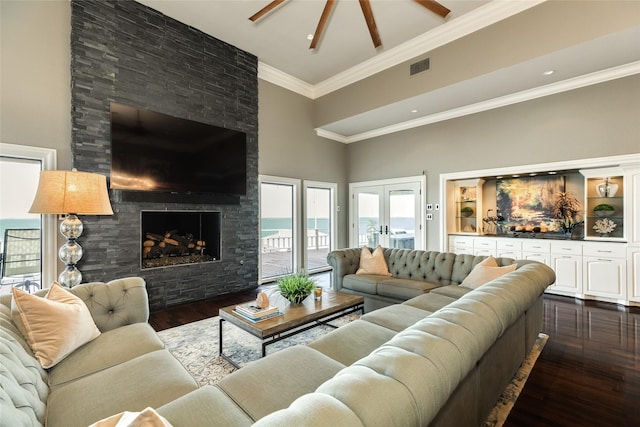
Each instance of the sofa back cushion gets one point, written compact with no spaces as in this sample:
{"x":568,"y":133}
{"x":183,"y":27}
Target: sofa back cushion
{"x":427,"y":266}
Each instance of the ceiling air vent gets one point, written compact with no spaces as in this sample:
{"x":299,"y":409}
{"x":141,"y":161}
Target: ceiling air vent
{"x":419,"y":67}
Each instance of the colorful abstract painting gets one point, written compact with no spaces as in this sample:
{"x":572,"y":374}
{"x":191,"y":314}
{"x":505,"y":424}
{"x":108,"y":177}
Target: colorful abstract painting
{"x":528,"y":201}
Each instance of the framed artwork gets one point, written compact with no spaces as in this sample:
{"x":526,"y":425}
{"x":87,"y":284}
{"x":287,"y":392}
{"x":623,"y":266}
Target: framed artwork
{"x":528,"y":202}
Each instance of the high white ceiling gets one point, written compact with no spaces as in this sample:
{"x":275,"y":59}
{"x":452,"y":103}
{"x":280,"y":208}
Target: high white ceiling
{"x":407,"y":29}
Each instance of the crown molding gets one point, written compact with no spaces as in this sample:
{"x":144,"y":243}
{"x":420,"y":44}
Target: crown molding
{"x":514,"y":98}
{"x":273,"y":75}
{"x":475,"y":20}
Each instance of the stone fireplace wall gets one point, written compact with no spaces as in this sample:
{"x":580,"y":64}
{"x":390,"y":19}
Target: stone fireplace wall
{"x":124,"y":52}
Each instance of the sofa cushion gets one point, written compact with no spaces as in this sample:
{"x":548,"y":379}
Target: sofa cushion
{"x":275,"y":381}
{"x":396,"y":317}
{"x":352,"y":341}
{"x":196,"y":408}
{"x":55,"y":325}
{"x":451,"y":291}
{"x":313,"y":410}
{"x":430,"y":302}
{"x":403,"y":288}
{"x":148,"y":417}
{"x":109,"y":349}
{"x":151,"y":380}
{"x":373,"y":263}
{"x":365,"y":283}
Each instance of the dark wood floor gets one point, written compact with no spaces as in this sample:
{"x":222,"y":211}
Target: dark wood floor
{"x":587,"y":375}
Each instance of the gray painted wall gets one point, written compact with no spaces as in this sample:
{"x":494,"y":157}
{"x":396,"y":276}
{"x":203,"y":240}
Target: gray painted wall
{"x":289,"y":146}
{"x":596,"y":121}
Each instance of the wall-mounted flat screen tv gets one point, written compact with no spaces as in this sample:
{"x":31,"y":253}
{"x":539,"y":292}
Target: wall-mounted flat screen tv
{"x":151,"y":151}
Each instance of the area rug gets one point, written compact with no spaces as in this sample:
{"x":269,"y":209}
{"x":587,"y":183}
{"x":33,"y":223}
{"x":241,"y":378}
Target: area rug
{"x":195,"y":345}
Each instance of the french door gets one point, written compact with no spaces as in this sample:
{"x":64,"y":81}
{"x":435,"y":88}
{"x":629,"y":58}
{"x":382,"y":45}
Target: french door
{"x":297,"y":226}
{"x":388,"y":213}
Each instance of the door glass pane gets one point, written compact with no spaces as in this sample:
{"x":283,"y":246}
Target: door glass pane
{"x":318,"y":227}
{"x":20,"y":231}
{"x":368,"y":219}
{"x":276,"y":229}
{"x":402,"y":219}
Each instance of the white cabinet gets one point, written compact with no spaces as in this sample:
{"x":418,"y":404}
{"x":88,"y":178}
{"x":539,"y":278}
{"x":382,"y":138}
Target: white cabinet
{"x":484,"y":246}
{"x":566,"y":261}
{"x":509,"y":248}
{"x":633,"y":278}
{"x":461,"y":244}
{"x":605,"y":271}
{"x":537,"y":250}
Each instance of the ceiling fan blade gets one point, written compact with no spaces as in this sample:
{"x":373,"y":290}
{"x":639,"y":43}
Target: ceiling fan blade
{"x":434,"y":7}
{"x":268,"y":8}
{"x":371,"y":22}
{"x":326,"y":12}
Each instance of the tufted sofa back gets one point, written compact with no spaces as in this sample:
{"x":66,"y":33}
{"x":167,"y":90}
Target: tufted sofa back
{"x":444,"y":268}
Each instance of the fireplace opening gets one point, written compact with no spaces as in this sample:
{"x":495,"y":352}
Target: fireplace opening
{"x":179,"y":237}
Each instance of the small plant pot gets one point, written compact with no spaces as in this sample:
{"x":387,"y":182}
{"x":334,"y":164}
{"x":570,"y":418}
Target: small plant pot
{"x":604,"y":214}
{"x":466,"y":213}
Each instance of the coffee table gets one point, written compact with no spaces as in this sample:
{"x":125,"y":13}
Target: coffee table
{"x":294,"y":319}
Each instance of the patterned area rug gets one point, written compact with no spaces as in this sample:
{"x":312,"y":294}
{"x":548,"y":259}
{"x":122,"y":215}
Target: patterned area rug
{"x":195,"y":345}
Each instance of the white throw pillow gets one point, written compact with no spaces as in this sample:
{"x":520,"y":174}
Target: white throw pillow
{"x":373,"y":263}
{"x":486,"y":271}
{"x":54,"y":325}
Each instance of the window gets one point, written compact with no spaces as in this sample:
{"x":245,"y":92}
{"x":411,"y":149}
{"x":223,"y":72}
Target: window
{"x":29,"y":252}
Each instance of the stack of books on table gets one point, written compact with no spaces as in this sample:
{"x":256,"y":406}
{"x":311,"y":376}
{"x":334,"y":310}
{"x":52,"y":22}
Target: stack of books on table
{"x":255,"y":314}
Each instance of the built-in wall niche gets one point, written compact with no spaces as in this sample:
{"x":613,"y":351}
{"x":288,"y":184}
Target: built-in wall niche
{"x":170,"y":238}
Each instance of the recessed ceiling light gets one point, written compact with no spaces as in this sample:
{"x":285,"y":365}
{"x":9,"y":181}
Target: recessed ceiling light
{"x":548,"y":72}
{"x":499,"y":177}
{"x":552,"y":173}
{"x":515,"y":176}
{"x":414,"y":110}
{"x":533,"y":174}
{"x":310,"y":37}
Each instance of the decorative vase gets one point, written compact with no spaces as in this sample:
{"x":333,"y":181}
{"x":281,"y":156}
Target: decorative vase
{"x":604,"y":234}
{"x":604,"y":213}
{"x":612,"y":189}
{"x":466,"y":213}
{"x":602,"y":189}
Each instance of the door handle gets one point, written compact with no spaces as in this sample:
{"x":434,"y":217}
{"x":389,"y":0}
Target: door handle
{"x":386,"y":229}
{"x":381,"y":229}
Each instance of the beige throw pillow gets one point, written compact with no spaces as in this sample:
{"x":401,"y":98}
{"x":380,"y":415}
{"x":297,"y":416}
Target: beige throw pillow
{"x":373,"y":263}
{"x":485,"y":272}
{"x":146,"y":418}
{"x":55,"y":325}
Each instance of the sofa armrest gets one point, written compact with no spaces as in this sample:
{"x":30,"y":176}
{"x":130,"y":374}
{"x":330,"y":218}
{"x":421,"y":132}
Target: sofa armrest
{"x":343,"y":262}
{"x":116,"y":303}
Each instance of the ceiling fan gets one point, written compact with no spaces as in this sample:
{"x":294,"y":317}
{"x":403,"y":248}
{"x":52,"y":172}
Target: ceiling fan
{"x":432,"y":5}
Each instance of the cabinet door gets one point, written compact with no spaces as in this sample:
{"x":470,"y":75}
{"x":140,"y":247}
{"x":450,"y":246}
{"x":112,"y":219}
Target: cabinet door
{"x":544,"y":258}
{"x":568,"y":270}
{"x":634,"y":274}
{"x":605,"y":277}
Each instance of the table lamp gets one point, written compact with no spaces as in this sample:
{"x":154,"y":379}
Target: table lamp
{"x":71,"y":193}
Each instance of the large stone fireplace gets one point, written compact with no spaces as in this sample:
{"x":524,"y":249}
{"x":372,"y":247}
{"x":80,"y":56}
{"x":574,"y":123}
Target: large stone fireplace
{"x":125,"y":52}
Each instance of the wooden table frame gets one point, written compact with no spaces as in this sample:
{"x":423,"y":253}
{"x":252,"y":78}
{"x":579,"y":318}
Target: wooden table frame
{"x":294,"y":320}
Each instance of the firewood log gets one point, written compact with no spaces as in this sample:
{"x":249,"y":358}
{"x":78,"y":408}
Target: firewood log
{"x":148,"y":243}
{"x":153,"y":236}
{"x":162,"y":244}
{"x":170,"y":242}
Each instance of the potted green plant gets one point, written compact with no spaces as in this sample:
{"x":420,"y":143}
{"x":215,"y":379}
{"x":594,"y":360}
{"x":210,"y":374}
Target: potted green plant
{"x":604,"y":209}
{"x":466,"y":211}
{"x":296,"y":287}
